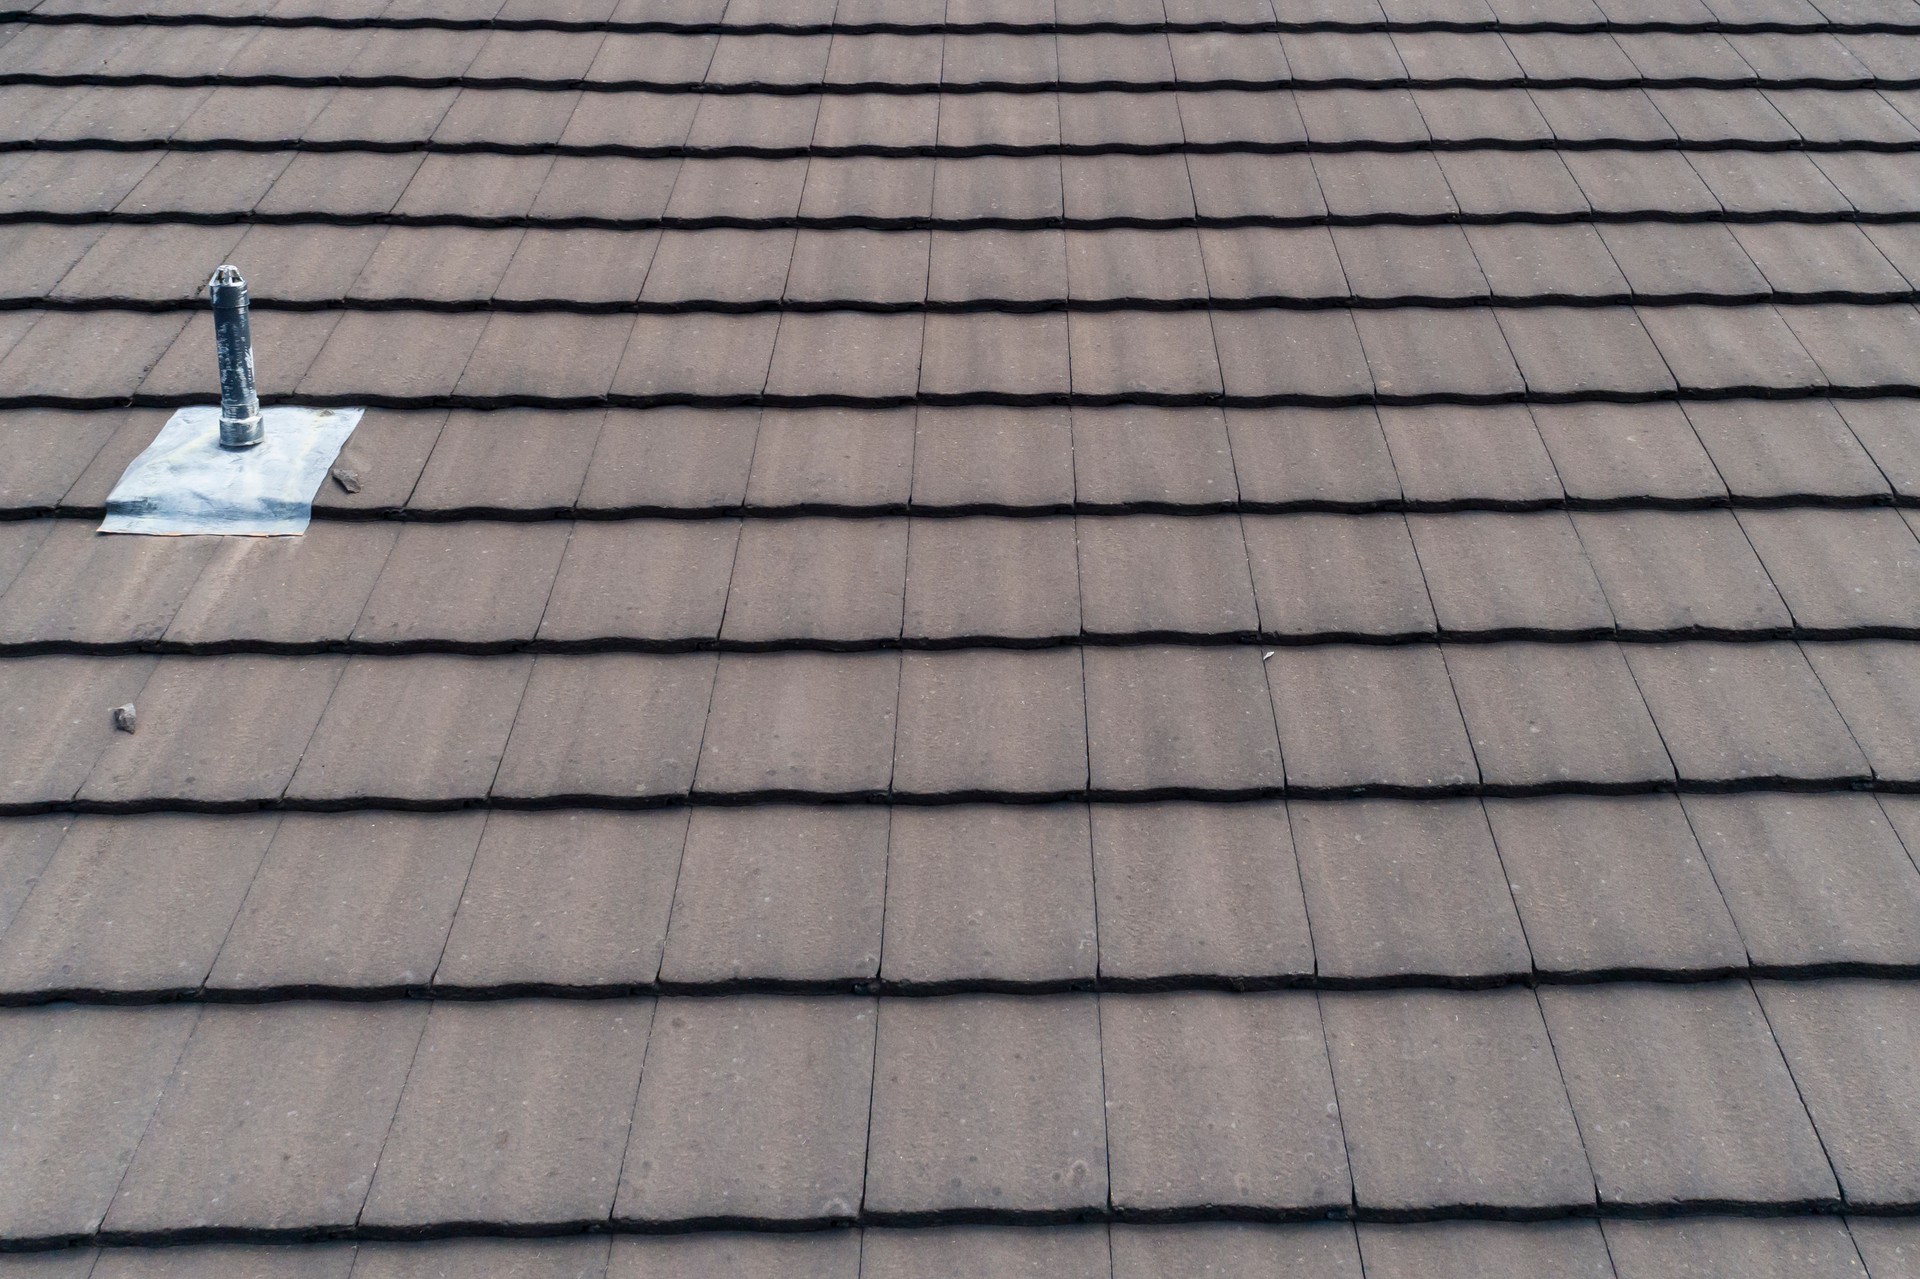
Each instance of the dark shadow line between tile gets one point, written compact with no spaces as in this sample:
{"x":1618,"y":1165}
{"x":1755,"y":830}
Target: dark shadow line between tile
{"x":972,"y":306}
{"x":1194,"y":399}
{"x":1844,"y":783}
{"x":858,"y":987}
{"x":1001,"y":27}
{"x":1462,"y":1211}
{"x":860,"y":222}
{"x":643,"y":645}
{"x":900,"y":88}
{"x":949,"y":151}
{"x":961,"y":510}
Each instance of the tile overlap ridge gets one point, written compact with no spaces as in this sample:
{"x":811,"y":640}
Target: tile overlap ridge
{"x":906,"y":88}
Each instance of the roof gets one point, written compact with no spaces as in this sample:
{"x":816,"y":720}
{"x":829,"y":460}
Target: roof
{"x":1110,"y":639}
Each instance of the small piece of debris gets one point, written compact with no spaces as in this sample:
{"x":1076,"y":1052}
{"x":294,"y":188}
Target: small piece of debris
{"x":1264,"y":656}
{"x":123,"y":718}
{"x":348,"y":480}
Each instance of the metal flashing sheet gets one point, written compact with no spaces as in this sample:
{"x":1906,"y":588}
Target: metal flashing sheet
{"x":184,"y":482}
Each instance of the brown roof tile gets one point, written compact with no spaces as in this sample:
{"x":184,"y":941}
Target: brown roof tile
{"x":1229,"y":903}
{"x":1284,"y":456}
{"x":1273,"y":219}
{"x":794,"y":894}
{"x":723,"y":1090}
{"x":204,"y":740}
{"x":363,"y":900}
{"x":1325,"y":1251}
{"x":1728,"y":1123}
{"x":1148,"y":575}
{"x":1070,"y":1252}
{"x":808,"y":722}
{"x":100,"y":1073}
{"x":627,"y":725}
{"x":1869,"y":684}
{"x":832,"y":457}
{"x":596,"y":887}
{"x":1680,"y":571}
{"x":1544,"y":714}
{"x":981,"y":1100}
{"x":164,"y":890}
{"x":559,"y":1078}
{"x":1727,"y":712}
{"x":319,"y":1078}
{"x":670,"y":459}
{"x":1172,"y":720}
{"x":1030,"y":463}
{"x":412,"y":728}
{"x":499,"y":590}
{"x":1489,"y":1126}
{"x":1611,"y":451}
{"x":1489,"y":572}
{"x":1807,"y":1246}
{"x":1248,"y":1071}
{"x":992,"y":722}
{"x":980,"y":577}
{"x":666,"y":579}
{"x":1329,"y":701}
{"x":1398,"y":890}
{"x":990,"y":895}
{"x":1786,"y":863}
{"x":1613,"y":885}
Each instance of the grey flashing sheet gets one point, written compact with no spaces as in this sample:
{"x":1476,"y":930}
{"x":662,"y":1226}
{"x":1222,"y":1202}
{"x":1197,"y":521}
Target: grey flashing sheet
{"x":184,"y":482}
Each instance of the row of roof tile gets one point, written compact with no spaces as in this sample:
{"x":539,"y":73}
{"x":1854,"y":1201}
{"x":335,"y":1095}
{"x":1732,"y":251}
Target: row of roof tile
{"x":434,"y":465}
{"x":638,"y":121}
{"x":1152,"y":58}
{"x":813,"y":1110}
{"x":1316,"y":357}
{"x":881,"y":581}
{"x":1333,"y":893}
{"x":1127,"y":722}
{"x":463,"y":268}
{"x":520,"y":463}
{"x":1014,"y":192}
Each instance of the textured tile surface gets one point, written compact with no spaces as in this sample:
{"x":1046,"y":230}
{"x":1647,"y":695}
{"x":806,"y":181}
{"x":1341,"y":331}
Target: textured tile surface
{"x":1016,"y":671}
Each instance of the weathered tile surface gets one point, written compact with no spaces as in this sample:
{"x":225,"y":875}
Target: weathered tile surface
{"x":751,"y":1109}
{"x":134,"y":903}
{"x":1615,"y":884}
{"x":792,"y":894}
{"x":1491,"y":1126}
{"x":1849,"y":1047}
{"x":1198,"y":888}
{"x":350,"y":900}
{"x":254,"y":1083}
{"x":993,"y":893}
{"x":1220,"y":1098}
{"x":980,"y":1101}
{"x":1683,"y":1096}
{"x":1534,"y":377}
{"x":81,"y":1088}
{"x":1397,"y":888}
{"x":1573,"y":1249}
{"x":568,"y":898}
{"x":1811,"y":879}
{"x":557,"y":1081}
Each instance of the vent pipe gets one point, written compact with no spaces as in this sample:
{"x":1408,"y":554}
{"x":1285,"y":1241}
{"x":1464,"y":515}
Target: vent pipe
{"x":233,"y":342}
